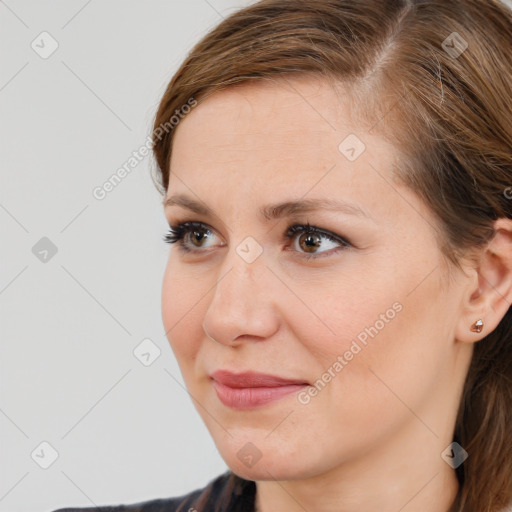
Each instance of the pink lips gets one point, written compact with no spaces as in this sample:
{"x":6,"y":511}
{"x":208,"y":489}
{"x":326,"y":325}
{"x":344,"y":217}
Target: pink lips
{"x":250,"y":389}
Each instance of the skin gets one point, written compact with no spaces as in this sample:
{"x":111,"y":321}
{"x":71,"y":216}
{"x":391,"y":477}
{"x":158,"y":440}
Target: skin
{"x":372,"y":438}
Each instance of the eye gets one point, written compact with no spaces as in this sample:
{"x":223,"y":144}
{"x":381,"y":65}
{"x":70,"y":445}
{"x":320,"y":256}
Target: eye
{"x":190,"y":237}
{"x":312,"y":238}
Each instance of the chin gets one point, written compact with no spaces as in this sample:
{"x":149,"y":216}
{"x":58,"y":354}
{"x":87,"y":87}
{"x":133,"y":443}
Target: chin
{"x":270,"y":470}
{"x":249,"y":462}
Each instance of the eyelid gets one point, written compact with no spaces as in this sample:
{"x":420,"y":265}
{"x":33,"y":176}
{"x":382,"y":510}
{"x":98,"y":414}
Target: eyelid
{"x":313,"y":229}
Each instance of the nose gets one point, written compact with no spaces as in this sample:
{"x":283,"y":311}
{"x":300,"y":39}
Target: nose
{"x":244,"y":302}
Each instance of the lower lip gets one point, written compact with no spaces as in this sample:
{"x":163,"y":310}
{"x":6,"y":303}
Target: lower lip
{"x":247,"y":398}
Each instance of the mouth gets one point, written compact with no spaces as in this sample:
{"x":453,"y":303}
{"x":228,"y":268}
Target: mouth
{"x":251,"y":389}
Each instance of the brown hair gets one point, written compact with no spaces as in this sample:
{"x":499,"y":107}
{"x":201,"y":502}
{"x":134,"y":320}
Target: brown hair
{"x":448,"y":111}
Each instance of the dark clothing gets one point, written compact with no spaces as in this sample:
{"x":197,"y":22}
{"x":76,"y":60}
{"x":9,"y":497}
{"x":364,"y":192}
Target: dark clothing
{"x":226,"y":493}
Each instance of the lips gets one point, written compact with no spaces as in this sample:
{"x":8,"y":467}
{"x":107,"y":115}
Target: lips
{"x":250,"y":390}
{"x":252,"y":380}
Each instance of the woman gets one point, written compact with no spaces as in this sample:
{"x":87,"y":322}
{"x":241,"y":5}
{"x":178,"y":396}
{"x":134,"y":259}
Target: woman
{"x":337,"y":175}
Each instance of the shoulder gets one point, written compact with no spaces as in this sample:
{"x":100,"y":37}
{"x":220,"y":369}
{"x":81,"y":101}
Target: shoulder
{"x":156,"y":505}
{"x":226,"y":491}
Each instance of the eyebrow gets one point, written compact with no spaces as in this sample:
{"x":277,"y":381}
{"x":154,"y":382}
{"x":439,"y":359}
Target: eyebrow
{"x":275,"y":211}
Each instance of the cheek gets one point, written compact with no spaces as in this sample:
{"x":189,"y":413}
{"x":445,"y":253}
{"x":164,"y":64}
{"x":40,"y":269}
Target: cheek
{"x":360,"y":329}
{"x":182,"y":313}
{"x":333,"y":316}
{"x":394,"y":353}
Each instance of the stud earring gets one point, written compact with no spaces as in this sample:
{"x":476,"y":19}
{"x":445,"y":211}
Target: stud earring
{"x":477,"y":326}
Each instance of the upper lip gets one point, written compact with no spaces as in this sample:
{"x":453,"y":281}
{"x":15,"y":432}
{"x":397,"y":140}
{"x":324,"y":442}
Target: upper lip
{"x":251,"y":379}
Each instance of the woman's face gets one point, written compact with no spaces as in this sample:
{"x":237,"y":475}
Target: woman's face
{"x":366,"y":323}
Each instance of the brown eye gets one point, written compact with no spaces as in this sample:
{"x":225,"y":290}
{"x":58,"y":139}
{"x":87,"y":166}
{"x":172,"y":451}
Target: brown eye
{"x":312,"y":242}
{"x":311,"y":239}
{"x":309,"y":242}
{"x":190,"y":236}
{"x":198,"y":235}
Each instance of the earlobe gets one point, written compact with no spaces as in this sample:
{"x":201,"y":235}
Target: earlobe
{"x":491,"y":294}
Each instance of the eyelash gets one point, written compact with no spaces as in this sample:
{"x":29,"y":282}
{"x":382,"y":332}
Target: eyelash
{"x":177,"y":234}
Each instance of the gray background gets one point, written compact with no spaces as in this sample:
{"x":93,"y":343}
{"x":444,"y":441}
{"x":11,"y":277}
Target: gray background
{"x":124,"y":432}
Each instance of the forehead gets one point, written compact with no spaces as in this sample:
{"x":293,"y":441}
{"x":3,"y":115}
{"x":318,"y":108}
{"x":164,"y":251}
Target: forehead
{"x":267,"y":143}
{"x":300,"y":122}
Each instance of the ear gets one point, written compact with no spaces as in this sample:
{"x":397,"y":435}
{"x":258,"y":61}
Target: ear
{"x":489,"y":293}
